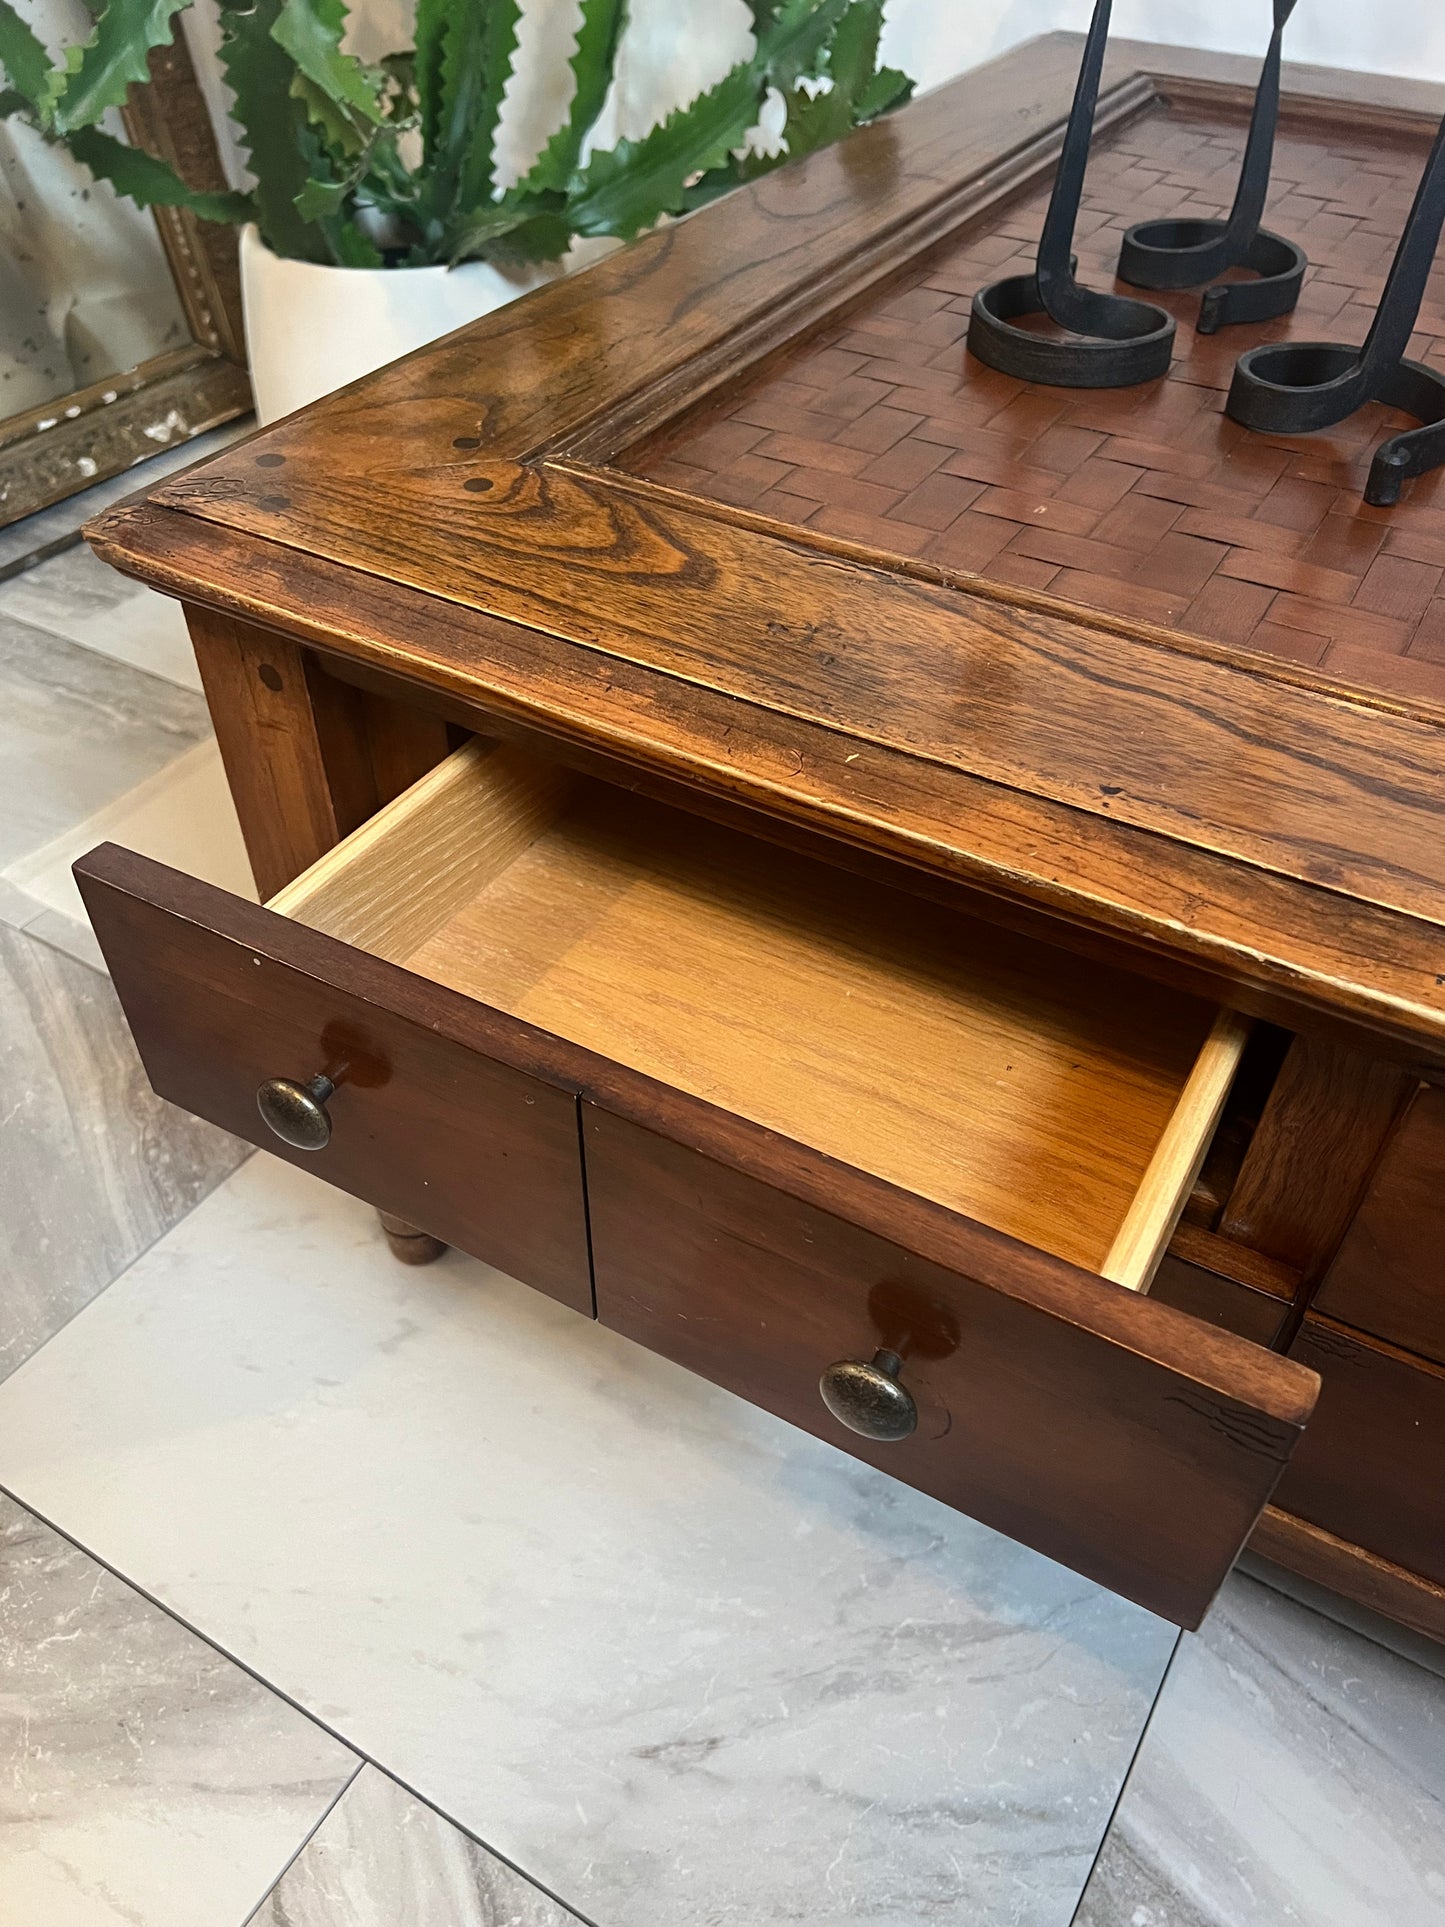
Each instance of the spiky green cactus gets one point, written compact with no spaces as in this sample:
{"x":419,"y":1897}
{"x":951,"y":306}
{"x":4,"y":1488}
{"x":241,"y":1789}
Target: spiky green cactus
{"x":394,"y":165}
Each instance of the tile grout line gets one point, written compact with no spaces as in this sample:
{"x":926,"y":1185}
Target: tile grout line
{"x":40,"y":627}
{"x":309,"y":1836}
{"x":39,"y":910}
{"x":287,"y":1699}
{"x":73,"y":642}
{"x":32,"y":559}
{"x":80,"y":1310}
{"x":1128,"y":1776}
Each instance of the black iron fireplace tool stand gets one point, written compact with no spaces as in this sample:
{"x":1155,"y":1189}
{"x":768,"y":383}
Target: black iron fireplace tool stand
{"x":1118,"y":341}
{"x":1293,"y":388}
{"x":1188,"y":253}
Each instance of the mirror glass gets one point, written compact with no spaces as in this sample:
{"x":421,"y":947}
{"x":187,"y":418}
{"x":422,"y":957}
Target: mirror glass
{"x":86,"y":291}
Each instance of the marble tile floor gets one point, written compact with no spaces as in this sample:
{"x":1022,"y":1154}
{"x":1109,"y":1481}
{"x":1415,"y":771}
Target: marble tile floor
{"x":381,"y":1858}
{"x":104,"y":736}
{"x":145,"y":1781}
{"x":78,"y":729}
{"x":75,"y":595}
{"x":1292,"y":1775}
{"x":93,"y":1166}
{"x":671,"y":1658}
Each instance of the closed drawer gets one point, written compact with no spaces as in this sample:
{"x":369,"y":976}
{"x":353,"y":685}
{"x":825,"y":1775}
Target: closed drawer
{"x":803,"y":1094}
{"x":1372,"y":1468}
{"x":1388,"y":1276}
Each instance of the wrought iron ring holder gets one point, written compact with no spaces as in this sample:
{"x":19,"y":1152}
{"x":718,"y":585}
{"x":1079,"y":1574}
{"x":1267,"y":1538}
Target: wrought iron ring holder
{"x":1187,"y":253}
{"x":1293,"y":388}
{"x":1127,"y":341}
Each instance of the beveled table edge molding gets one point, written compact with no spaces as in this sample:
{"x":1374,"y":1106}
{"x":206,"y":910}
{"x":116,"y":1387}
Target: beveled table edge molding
{"x":567,"y":366}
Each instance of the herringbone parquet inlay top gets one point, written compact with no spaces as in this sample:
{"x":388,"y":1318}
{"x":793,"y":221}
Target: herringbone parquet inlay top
{"x":1147,"y":502}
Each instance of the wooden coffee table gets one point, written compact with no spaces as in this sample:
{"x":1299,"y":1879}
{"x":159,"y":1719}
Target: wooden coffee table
{"x":859,"y":873}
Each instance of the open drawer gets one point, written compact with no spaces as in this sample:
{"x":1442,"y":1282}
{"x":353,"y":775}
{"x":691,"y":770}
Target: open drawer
{"x":825,"y":1123}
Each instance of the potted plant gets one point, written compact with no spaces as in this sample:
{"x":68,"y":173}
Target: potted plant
{"x":375,"y":222}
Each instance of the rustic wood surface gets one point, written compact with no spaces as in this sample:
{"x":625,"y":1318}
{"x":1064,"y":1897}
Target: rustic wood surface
{"x":292,"y":805}
{"x":1310,"y":1159}
{"x":1368,"y":1468}
{"x":1246,"y":825}
{"x":408,"y":1245}
{"x":1142,"y":1465}
{"x":307,"y":758}
{"x":1219,"y":1300}
{"x":1226,"y":1284}
{"x":1276,"y":949}
{"x":1196,"y":1245}
{"x":1159,"y":739}
{"x":1157,"y":785}
{"x":1388,"y":1277}
{"x":1363,"y":1576}
{"x":1142,"y":503}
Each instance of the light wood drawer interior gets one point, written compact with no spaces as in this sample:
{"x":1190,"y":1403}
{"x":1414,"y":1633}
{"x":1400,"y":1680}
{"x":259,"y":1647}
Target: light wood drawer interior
{"x":1059,"y":1101}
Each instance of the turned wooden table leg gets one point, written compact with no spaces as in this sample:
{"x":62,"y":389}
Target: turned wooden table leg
{"x":411,"y":1246}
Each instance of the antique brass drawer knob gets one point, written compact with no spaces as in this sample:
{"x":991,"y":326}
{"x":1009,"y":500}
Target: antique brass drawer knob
{"x":297,"y":1112}
{"x":868,"y":1399}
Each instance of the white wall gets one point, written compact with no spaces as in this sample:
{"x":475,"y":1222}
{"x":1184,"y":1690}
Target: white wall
{"x":676,"y":47}
{"x":937,"y":38}
{"x":1379,"y":36}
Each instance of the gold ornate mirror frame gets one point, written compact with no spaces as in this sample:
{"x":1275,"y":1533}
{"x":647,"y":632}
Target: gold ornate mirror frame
{"x":55,"y":450}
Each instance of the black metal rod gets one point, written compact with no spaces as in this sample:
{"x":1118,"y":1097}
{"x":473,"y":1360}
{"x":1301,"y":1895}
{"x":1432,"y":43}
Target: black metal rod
{"x":1120,"y":341}
{"x":1063,"y":299}
{"x":1296,"y":387}
{"x":1186,"y":253}
{"x":1405,"y":285}
{"x":1254,"y":172}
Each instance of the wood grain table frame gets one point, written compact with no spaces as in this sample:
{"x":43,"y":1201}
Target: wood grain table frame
{"x":452,"y":543}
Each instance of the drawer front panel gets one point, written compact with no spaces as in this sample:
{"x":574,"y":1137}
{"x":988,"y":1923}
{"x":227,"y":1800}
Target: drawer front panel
{"x":1388,"y":1277}
{"x":1116,"y":1435}
{"x":1371,"y":1468}
{"x":437,"y":1117}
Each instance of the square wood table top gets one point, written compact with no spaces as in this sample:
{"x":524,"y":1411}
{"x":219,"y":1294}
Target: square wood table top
{"x":735,"y":509}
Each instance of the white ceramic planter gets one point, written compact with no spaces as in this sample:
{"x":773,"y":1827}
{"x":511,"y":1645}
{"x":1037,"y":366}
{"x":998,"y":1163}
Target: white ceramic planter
{"x":310,"y":329}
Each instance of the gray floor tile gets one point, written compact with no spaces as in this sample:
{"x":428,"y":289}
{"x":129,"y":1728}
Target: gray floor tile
{"x":182,"y":816}
{"x":17,"y":906}
{"x":681,"y":1663}
{"x":67,"y":934}
{"x":65,"y":591}
{"x":145,"y":1781}
{"x":381,"y":1858}
{"x":93,"y":1166}
{"x":77,"y":730}
{"x":78,"y":596}
{"x":1293,"y":1775}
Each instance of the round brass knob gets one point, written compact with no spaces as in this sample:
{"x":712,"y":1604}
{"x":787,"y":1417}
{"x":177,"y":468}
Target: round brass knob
{"x":868,"y":1399}
{"x":297,"y":1112}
